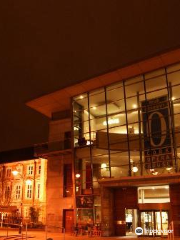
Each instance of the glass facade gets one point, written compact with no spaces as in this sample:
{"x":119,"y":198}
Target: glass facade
{"x":131,"y":128}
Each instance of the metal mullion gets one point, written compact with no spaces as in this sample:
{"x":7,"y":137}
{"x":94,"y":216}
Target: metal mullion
{"x":145,"y":94}
{"x":125,"y":104}
{"x":90,"y":148}
{"x":169,"y":89}
{"x":73,"y":161}
{"x":140,"y":137}
{"x":107,"y":125}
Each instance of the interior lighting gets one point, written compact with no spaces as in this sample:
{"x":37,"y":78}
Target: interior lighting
{"x":134,"y":106}
{"x":81,"y":97}
{"x":168,"y":168}
{"x":94,"y":108}
{"x":78,"y":175}
{"x":103,"y":165}
{"x":135,"y":169}
{"x":173,"y":98}
{"x":111,"y":121}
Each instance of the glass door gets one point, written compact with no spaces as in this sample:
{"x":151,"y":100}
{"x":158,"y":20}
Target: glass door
{"x":147,"y":222}
{"x":161,"y":220}
{"x":154,"y":220}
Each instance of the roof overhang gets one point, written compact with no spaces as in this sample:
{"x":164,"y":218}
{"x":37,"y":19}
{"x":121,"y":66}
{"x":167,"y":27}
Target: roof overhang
{"x":61,"y":99}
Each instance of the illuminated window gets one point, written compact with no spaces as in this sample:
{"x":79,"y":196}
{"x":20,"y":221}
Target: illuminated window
{"x":8,"y":173}
{"x":68,"y":180}
{"x":18,"y":192}
{"x":38,"y":190}
{"x":39,"y":169}
{"x":29,"y":191}
{"x":26,"y":212}
{"x":30,"y":170}
{"x":7,"y":192}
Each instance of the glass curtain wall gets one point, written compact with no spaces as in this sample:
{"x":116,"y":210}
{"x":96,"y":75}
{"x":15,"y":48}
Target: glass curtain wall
{"x":131,"y":128}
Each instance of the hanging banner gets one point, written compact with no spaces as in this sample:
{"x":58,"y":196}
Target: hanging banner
{"x":156,"y":129}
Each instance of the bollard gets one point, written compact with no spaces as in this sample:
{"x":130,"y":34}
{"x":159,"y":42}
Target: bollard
{"x":64,"y":233}
{"x":46,"y":231}
{"x":20,"y":228}
{"x":26,"y":231}
{"x":7,"y":230}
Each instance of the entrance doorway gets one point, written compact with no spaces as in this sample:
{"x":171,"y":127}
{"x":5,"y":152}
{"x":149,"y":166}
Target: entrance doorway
{"x":154,"y":220}
{"x":131,"y":221}
{"x":68,"y":220}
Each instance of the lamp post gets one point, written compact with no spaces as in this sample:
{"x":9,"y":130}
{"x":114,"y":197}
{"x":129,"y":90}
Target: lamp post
{"x":17,"y":173}
{"x":24,"y":181}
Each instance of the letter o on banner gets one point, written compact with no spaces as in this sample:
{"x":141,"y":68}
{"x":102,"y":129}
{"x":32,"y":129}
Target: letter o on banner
{"x":163,"y":129}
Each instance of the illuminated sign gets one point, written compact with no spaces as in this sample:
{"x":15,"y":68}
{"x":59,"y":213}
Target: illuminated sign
{"x":157,"y":137}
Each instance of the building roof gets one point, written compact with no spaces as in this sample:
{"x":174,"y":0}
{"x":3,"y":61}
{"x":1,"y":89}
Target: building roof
{"x":61,"y":99}
{"x":17,"y":155}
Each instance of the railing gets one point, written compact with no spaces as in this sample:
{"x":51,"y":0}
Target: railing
{"x":171,"y":234}
{"x":21,"y":231}
{"x":48,"y":147}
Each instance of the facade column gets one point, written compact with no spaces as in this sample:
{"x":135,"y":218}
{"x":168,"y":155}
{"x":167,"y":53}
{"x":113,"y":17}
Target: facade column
{"x":107,"y":211}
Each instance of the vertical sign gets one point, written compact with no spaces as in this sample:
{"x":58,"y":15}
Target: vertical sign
{"x":157,"y":137}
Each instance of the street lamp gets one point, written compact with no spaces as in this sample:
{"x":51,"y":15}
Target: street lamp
{"x":26,"y":181}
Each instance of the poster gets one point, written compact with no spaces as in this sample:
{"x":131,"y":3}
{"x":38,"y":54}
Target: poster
{"x":157,"y":136}
{"x":84,"y":201}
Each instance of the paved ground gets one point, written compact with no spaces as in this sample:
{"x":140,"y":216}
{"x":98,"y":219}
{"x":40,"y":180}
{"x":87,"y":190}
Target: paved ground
{"x":41,"y":235}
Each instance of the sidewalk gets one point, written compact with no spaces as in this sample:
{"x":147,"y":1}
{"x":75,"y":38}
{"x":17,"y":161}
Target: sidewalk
{"x":41,"y":235}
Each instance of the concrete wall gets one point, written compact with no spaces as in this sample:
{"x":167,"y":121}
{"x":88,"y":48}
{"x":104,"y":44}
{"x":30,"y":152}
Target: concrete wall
{"x":107,"y":208}
{"x":56,"y":202}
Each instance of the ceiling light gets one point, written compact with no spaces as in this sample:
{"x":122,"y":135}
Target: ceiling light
{"x":94,"y":108}
{"x":81,"y":97}
{"x":103,"y":165}
{"x":173,"y":98}
{"x":168,"y":168}
{"x":134,"y":106}
{"x":135,"y":169}
{"x":78,"y":175}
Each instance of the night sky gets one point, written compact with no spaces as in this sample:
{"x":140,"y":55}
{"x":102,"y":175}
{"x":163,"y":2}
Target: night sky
{"x":46,"y":45}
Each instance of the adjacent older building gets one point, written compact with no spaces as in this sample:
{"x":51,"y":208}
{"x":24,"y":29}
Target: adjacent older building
{"x":124,"y":154}
{"x":22,"y":186}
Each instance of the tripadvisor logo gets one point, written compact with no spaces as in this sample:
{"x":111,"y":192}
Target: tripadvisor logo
{"x":139,"y":231}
